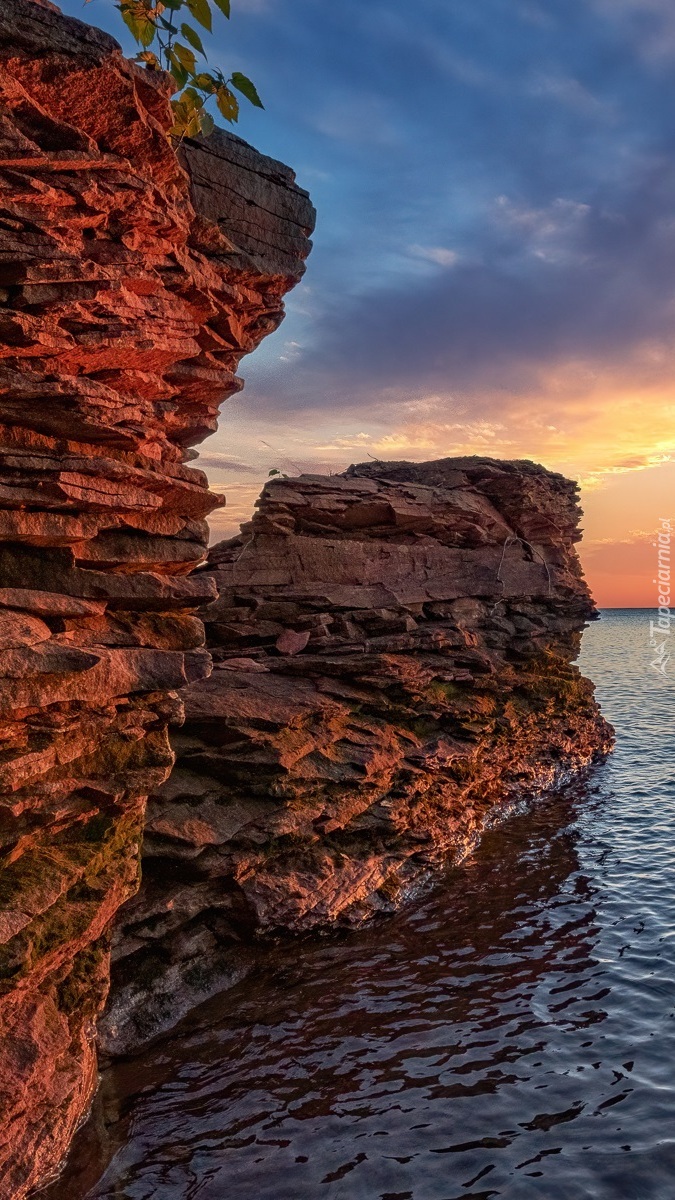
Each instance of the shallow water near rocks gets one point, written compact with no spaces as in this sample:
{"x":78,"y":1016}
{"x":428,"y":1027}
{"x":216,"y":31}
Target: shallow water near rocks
{"x":510,"y":1035}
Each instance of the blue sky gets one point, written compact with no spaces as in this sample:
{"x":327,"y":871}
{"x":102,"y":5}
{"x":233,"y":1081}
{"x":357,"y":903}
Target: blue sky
{"x":494,"y":261}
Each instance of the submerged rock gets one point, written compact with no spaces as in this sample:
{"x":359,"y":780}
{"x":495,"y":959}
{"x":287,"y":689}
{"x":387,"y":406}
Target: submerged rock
{"x":393,"y":653}
{"x":130,"y":290}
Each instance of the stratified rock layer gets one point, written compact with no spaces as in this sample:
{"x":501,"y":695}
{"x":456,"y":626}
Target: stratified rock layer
{"x":128,"y":298}
{"x":393,"y":653}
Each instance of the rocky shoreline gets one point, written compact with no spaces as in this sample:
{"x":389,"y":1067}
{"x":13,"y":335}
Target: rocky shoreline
{"x":392,"y":648}
{"x":393,"y":669}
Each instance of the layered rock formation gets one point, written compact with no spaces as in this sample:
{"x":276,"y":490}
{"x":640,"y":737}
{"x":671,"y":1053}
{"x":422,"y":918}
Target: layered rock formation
{"x":393,"y":669}
{"x":393,"y":646}
{"x":129,"y":294}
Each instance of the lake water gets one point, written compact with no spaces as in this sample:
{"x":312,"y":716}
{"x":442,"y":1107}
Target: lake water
{"x":512,"y":1035}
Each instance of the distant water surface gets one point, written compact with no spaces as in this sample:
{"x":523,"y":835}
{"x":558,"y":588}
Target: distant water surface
{"x":513,"y":1035}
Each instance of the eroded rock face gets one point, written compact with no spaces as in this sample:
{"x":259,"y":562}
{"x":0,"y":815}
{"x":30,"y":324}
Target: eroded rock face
{"x":128,"y":298}
{"x":393,"y":668}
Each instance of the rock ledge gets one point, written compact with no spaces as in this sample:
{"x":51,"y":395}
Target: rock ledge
{"x":393,"y":654}
{"x":130,"y":290}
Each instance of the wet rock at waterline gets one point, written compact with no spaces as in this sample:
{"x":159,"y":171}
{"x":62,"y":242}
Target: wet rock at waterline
{"x":392,"y":646}
{"x":393,"y":668}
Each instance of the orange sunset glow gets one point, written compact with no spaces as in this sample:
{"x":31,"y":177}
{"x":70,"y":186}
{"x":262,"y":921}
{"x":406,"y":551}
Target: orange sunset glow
{"x":493,"y":269}
{"x":617,"y":442}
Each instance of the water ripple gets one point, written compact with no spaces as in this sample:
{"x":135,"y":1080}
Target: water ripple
{"x":513,"y":1036}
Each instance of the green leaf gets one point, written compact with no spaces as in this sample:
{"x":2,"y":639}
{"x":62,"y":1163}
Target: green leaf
{"x":193,"y":38}
{"x":227,"y":103}
{"x":190,"y":118}
{"x":148,"y":31}
{"x":191,"y":98}
{"x":140,"y":26}
{"x":224,"y":6}
{"x":205,"y":81}
{"x":137,"y":19}
{"x":185,"y":57}
{"x":201,"y":12}
{"x":178,"y":70}
{"x":243,"y":84}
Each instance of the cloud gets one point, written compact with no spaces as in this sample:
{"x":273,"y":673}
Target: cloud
{"x":556,"y":233}
{"x":569,"y":91}
{"x":362,"y":118}
{"x":440,"y":255}
{"x":494,"y":262}
{"x":223,"y":462}
{"x":238,"y":508}
{"x":648,"y":24}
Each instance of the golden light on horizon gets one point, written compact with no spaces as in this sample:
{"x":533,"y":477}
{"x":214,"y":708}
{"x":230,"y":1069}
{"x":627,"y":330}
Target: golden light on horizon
{"x":614,"y":435}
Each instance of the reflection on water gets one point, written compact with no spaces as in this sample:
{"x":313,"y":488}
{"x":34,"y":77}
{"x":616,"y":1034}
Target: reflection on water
{"x":512,"y":1036}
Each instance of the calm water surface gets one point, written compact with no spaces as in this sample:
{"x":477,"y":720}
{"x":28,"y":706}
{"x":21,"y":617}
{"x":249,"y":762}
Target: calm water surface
{"x":511,"y":1036}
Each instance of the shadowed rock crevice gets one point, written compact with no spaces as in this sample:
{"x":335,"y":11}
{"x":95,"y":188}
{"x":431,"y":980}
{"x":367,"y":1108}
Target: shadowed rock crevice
{"x":125,"y":312}
{"x":393,"y":653}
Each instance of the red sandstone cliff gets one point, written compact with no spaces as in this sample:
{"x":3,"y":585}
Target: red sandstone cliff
{"x":393,"y":646}
{"x":393,"y":668}
{"x":131,"y":286}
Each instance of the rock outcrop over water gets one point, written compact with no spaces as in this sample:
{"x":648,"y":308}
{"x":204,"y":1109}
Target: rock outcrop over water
{"x":131,"y":285}
{"x":393,"y":656}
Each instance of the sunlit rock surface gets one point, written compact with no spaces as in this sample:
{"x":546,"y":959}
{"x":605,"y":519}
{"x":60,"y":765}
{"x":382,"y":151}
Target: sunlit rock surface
{"x":128,"y":298}
{"x":393,"y":656}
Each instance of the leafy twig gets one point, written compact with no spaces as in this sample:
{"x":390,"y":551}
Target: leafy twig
{"x":147,"y":23}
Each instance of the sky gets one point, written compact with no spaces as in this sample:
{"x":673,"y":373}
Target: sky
{"x":493,"y":268}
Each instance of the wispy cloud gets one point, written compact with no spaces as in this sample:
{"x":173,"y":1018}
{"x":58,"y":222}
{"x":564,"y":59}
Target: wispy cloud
{"x":223,"y":462}
{"x":442,"y":256}
{"x":649,"y":24}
